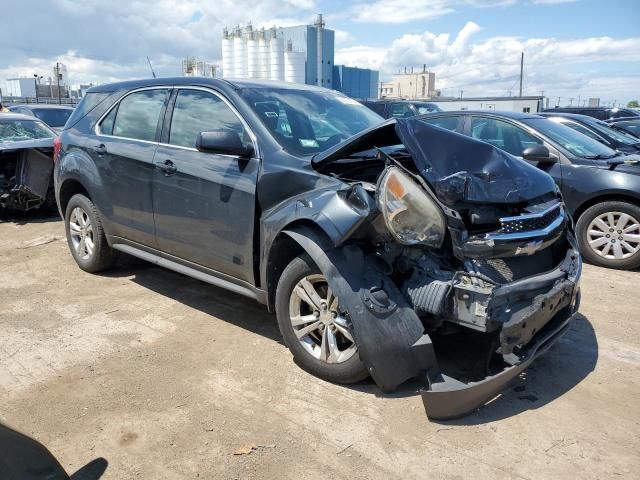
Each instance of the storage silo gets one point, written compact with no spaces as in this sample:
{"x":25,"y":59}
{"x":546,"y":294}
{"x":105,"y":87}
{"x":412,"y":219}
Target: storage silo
{"x":228,"y":69}
{"x":294,"y":65}
{"x":276,"y":58}
{"x":263,"y":55}
{"x":239,"y":54}
{"x":252,"y":56}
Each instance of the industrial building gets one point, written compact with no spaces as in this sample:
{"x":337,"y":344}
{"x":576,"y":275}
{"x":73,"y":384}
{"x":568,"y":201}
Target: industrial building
{"x":193,"y":67}
{"x":410,"y":86}
{"x":512,"y":104}
{"x":299,"y":54}
{"x":355,"y":82}
{"x":57,"y":85}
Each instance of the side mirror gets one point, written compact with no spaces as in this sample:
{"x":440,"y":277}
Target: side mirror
{"x":539,"y":153}
{"x":225,"y":142}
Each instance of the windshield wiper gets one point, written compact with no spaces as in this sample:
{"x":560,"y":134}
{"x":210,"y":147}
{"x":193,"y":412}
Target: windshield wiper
{"x":601,"y":157}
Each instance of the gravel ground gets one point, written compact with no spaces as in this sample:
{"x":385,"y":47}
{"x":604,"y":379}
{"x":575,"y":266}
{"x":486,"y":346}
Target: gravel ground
{"x":167,"y":377}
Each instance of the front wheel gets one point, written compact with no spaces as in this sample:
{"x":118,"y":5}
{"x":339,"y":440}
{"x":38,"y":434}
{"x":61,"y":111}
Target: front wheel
{"x":314,"y":327}
{"x":609,"y":235}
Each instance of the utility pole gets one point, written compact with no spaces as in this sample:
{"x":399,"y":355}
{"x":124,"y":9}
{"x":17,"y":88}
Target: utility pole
{"x":58,"y":81}
{"x":570,"y":101}
{"x":35,"y":84}
{"x":461,"y":92}
{"x":558,"y":102}
{"x":521,"y":70}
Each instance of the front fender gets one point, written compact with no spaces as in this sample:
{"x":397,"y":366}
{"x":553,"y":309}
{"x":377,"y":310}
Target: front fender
{"x":390,"y":336}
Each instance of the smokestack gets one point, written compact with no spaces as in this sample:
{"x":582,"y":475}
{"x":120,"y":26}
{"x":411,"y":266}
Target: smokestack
{"x":319,"y":36}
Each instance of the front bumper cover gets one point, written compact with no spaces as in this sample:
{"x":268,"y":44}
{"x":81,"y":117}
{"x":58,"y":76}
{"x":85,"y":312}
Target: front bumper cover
{"x":447,"y":398}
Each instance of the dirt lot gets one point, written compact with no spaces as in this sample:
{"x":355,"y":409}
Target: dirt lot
{"x":165,"y":377}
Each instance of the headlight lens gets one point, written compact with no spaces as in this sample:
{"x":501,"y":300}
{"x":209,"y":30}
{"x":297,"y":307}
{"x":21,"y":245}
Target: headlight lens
{"x":409,"y":212}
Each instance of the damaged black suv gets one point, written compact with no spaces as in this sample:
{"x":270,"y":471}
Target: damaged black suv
{"x":387,"y":249}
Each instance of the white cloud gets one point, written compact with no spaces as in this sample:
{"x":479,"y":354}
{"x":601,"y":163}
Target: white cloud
{"x":491,"y":66}
{"x":403,"y":11}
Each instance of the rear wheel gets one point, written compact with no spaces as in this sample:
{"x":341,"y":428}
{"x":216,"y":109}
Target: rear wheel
{"x":314,"y":327}
{"x":609,"y":235}
{"x":85,"y":236}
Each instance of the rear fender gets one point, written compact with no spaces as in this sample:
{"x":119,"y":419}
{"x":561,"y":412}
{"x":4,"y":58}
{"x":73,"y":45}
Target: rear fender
{"x":390,"y":336}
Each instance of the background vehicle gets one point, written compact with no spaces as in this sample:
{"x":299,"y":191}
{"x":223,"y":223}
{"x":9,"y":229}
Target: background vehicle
{"x":601,"y":113}
{"x":53,"y":115}
{"x":400,"y":108}
{"x":598,"y":130}
{"x":278,"y":192}
{"x":600,"y":186}
{"x":626,"y":124}
{"x":26,"y":163}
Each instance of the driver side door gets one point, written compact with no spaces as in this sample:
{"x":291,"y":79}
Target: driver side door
{"x":204,"y":202}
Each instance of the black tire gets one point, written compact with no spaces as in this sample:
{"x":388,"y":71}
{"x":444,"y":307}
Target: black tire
{"x":102,"y":256}
{"x":351,"y":370}
{"x":582,"y":232}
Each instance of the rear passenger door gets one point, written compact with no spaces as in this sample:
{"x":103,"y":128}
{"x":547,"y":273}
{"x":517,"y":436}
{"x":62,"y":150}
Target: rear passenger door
{"x":204,"y":203}
{"x":122,"y":148}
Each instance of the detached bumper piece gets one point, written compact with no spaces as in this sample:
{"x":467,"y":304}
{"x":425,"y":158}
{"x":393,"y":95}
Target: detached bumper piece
{"x":529,"y":333}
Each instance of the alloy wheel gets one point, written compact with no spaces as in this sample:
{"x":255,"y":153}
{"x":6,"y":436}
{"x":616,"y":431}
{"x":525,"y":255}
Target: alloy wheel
{"x":322,"y":329}
{"x":81,"y":232}
{"x":614,"y":235}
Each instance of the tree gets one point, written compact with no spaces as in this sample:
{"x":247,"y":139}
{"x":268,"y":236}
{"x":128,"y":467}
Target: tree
{"x":633,"y":104}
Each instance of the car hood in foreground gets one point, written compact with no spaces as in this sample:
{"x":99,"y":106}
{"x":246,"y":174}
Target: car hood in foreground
{"x":459,"y":168}
{"x":22,"y":144}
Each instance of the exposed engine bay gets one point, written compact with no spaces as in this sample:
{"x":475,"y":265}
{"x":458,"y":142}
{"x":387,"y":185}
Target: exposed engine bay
{"x":26,"y":174}
{"x":468,"y":257}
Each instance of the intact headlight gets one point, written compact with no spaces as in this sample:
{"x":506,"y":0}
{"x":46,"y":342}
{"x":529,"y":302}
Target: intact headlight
{"x":411,"y":215}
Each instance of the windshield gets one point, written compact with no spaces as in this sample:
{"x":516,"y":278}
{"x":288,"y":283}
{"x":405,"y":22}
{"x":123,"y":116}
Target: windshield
{"x":632,"y":126}
{"x":618,"y":136}
{"x":54,"y":117}
{"x":306,"y":122}
{"x":16,"y":130}
{"x":576,"y":143}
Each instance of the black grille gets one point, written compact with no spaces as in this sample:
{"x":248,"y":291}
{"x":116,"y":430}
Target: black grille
{"x":527,"y":224}
{"x":510,"y":269}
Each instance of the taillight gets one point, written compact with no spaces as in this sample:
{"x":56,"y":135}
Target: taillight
{"x":57,"y":144}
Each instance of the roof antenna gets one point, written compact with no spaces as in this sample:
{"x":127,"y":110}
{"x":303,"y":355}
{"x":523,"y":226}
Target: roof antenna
{"x":151,"y":67}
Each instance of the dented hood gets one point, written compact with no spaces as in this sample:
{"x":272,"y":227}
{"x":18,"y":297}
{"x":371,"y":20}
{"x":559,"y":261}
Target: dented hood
{"x":458,"y":168}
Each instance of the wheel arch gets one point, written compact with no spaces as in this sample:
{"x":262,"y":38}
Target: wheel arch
{"x":609,"y":197}
{"x":282,"y":252}
{"x":68,"y":189}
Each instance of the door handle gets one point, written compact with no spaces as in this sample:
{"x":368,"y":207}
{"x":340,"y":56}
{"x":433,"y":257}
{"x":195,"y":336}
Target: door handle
{"x":100,"y":149}
{"x":168,"y":167}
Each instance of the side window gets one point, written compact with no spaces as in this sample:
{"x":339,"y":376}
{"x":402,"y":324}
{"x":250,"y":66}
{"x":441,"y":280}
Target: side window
{"x":502,"y":135}
{"x":136,"y":116}
{"x":196,"y":111}
{"x":401,"y":110}
{"x":106,"y":126}
{"x":448,"y":123}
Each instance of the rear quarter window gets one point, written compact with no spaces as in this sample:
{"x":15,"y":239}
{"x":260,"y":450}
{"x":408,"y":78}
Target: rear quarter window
{"x":88,"y":103}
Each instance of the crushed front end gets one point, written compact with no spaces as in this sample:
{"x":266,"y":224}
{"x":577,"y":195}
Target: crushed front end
{"x":25,"y":174}
{"x":464,"y":263}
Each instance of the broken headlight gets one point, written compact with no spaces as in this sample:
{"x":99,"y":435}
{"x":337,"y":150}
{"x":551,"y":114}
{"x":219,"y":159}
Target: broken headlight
{"x":409,"y":212}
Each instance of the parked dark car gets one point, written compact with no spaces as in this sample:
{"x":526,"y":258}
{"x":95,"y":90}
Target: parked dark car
{"x":53,"y":115}
{"x":26,"y":163}
{"x":598,"y":130}
{"x":601,"y":113}
{"x":601,"y":187}
{"x":377,"y":245}
{"x":400,"y":108}
{"x":626,"y":124}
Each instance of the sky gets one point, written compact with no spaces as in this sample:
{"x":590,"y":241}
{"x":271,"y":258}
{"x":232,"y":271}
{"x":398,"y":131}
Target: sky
{"x":573,"y":48}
